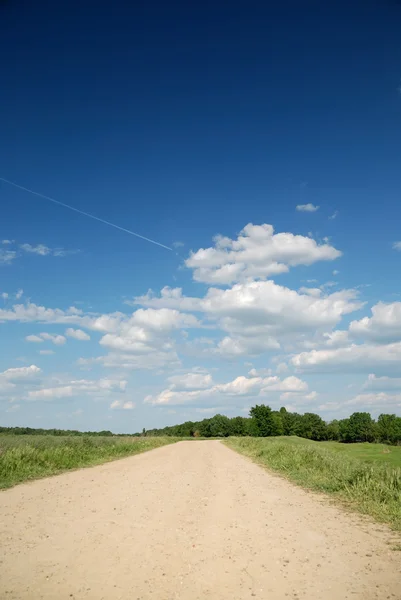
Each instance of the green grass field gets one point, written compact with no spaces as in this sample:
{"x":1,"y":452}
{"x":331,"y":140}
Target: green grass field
{"x":29,"y":457}
{"x":365,"y":477}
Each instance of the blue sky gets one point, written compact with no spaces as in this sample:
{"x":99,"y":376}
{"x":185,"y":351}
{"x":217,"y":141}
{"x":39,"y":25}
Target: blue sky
{"x":182,"y":123}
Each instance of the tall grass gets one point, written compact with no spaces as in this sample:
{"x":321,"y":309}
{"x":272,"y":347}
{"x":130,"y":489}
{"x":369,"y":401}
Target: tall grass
{"x":373,"y":489}
{"x":28,"y":457}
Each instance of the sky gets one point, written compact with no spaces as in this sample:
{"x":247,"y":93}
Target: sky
{"x":259,"y":145}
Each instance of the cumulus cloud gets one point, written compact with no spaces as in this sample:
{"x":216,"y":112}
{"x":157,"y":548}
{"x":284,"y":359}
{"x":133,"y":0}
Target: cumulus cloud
{"x":19,"y":373}
{"x":241,"y":386}
{"x":382,"y":327}
{"x":77,"y":334}
{"x":7,"y":256}
{"x":42,"y":250}
{"x":34,"y":339}
{"x":49,"y":337}
{"x":352,"y":359}
{"x":380,"y":401}
{"x":314,"y":292}
{"x":144,"y":332}
{"x":128,"y":405}
{"x":382,"y":383}
{"x":258,"y":316}
{"x":77,"y":388}
{"x":257,"y":253}
{"x":307,"y":207}
{"x":190,"y":381}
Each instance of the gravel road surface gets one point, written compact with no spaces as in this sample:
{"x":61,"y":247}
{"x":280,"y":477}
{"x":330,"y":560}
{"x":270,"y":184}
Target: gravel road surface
{"x":188,"y":521}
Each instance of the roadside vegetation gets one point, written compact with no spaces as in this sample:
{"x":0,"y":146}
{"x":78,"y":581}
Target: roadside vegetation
{"x":26,"y":457}
{"x":264,"y":422}
{"x":368,"y":481}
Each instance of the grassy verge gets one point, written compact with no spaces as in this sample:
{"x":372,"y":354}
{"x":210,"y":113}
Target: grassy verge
{"x":24,"y":458}
{"x":373,"y":489}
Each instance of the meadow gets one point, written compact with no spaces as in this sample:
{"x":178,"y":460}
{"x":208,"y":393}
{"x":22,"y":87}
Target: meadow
{"x":364,"y":477}
{"x":27,"y":457}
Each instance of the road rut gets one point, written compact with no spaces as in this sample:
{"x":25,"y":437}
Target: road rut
{"x":188,"y":521}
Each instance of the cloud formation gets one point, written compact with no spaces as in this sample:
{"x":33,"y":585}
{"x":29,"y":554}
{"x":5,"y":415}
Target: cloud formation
{"x":257,"y":253}
{"x":307,"y":207}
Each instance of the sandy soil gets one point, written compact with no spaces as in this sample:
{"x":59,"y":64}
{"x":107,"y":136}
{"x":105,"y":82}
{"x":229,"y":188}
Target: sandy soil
{"x":192,"y":520}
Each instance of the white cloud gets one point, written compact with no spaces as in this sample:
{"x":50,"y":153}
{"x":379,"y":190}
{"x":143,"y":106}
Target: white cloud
{"x":77,"y":334}
{"x":42,"y":250}
{"x":190,"y":381}
{"x":19,"y":373}
{"x":334,"y":215}
{"x":169,"y":298}
{"x":257,"y":253}
{"x":4,"y":295}
{"x":397,"y":246}
{"x":39,"y":249}
{"x":259,"y":316}
{"x":307,"y":207}
{"x":382,"y":327}
{"x":380,"y":401}
{"x":128,"y":405}
{"x":260,"y":372}
{"x":336,"y":339}
{"x":7,"y":256}
{"x":34,"y":338}
{"x":46,"y":352}
{"x":314,"y":292}
{"x":58,"y":340}
{"x":178,"y":244}
{"x":77,"y":388}
{"x":7,"y":242}
{"x":19,"y":294}
{"x":382,"y":383}
{"x":51,"y":393}
{"x":351,"y":359}
{"x":241,"y":386}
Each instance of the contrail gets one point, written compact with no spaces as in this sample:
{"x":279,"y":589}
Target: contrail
{"x":81,"y":212}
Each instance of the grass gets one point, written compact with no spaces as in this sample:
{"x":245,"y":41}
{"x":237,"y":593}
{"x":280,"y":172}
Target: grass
{"x":358,"y":477}
{"x":25,"y":458}
{"x":371,"y":453}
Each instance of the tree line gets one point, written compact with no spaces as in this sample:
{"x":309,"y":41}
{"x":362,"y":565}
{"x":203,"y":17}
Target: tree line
{"x":262,"y":422}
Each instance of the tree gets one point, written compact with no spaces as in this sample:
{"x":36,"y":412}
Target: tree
{"x":360,"y":427}
{"x":238,"y":426}
{"x":389,"y":428}
{"x":333,"y":431}
{"x":313,"y":427}
{"x":220,"y":426}
{"x":263,"y":419}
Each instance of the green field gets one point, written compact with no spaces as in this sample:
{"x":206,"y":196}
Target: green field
{"x":365,"y":477}
{"x":26,"y":457}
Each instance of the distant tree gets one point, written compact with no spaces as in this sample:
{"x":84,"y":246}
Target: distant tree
{"x":333,"y":431}
{"x":278,"y":427}
{"x":144,"y":432}
{"x":389,"y":429}
{"x":313,"y":427}
{"x":219,"y":426}
{"x":263,"y":419}
{"x":238,"y":426}
{"x":360,"y":427}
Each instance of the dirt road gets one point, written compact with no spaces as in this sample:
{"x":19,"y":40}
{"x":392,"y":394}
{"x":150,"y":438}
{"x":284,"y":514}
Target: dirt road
{"x":188,"y":521}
